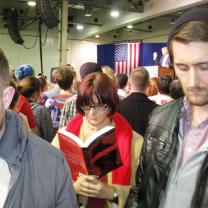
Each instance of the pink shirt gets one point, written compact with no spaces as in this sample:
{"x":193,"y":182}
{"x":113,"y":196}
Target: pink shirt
{"x":194,"y":137}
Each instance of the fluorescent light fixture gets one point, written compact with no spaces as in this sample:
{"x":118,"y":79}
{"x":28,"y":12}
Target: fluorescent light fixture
{"x":129,"y":26}
{"x":80,"y":27}
{"x":97,"y":36}
{"x":31,"y":3}
{"x":88,"y":11}
{"x":114,"y":13}
{"x":88,"y":15}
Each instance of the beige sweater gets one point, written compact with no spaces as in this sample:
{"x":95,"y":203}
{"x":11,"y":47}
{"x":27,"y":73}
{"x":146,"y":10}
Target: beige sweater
{"x":121,"y":189}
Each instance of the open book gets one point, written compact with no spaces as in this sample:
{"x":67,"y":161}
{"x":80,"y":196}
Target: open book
{"x":99,"y":155}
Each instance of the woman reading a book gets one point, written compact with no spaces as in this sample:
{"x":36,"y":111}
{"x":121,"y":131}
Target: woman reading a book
{"x":97,"y":103}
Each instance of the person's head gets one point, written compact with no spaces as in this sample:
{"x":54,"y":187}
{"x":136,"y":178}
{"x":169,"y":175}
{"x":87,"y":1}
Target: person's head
{"x":43,"y":83}
{"x":15,"y":100}
{"x":89,"y":67}
{"x":97,"y":98}
{"x":64,"y":77}
{"x":23,"y":71}
{"x":113,"y":79}
{"x":188,"y":43}
{"x":4,"y":81}
{"x":152,"y":88}
{"x":139,"y":79}
{"x":163,"y":84}
{"x":164,"y":50}
{"x":122,"y":80}
{"x":176,"y":90}
{"x":30,"y":87}
{"x":107,"y":69}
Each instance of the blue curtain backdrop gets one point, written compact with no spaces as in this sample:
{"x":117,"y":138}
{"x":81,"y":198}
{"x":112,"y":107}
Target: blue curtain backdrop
{"x":106,"y":55}
{"x":146,"y":55}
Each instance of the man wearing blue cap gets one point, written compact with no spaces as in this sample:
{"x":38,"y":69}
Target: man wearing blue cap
{"x":173,"y":169}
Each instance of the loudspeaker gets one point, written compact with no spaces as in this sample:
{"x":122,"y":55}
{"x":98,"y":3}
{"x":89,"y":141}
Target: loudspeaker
{"x":138,"y":4}
{"x":12,"y":24}
{"x":47,"y":13}
{"x":70,"y":21}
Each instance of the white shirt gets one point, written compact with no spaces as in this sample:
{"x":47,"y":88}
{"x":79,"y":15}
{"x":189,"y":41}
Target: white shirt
{"x":4,"y":176}
{"x":160,"y":99}
{"x":122,"y":94}
{"x":4,"y":181}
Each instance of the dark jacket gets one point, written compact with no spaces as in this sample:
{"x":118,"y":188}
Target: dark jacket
{"x":136,"y":108}
{"x":40,"y":177}
{"x":159,"y":150}
{"x":44,"y":121}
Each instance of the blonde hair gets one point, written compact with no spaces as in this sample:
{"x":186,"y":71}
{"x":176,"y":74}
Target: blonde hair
{"x":107,"y":69}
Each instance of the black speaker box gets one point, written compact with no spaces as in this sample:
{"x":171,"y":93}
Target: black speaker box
{"x":47,"y":13}
{"x":12,"y":25}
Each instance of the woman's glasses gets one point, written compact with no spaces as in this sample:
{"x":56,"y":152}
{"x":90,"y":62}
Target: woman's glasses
{"x":97,"y":108}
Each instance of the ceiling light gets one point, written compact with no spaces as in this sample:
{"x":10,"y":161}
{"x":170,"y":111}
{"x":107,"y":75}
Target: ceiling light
{"x":88,"y":14}
{"x":31,"y":3}
{"x":129,"y":26}
{"x":97,"y":36}
{"x":88,"y":11}
{"x":80,"y":27}
{"x":114,"y":13}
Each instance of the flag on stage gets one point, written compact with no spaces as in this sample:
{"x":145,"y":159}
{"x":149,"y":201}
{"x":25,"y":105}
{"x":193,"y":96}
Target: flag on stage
{"x":127,"y":57}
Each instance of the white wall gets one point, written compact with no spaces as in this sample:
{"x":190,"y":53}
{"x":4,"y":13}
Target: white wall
{"x":79,"y":51}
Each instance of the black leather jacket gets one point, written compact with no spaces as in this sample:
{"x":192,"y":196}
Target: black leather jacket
{"x":159,"y":150}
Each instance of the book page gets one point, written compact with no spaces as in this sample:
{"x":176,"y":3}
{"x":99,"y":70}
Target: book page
{"x":72,"y":136}
{"x":97,"y":135}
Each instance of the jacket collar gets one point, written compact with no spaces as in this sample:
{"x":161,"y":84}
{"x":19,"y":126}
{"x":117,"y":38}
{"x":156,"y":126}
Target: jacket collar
{"x":137,"y":96}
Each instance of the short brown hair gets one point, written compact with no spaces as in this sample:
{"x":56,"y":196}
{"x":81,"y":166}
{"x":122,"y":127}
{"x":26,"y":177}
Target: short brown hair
{"x":139,"y":78}
{"x":189,"y":32}
{"x":43,"y":82}
{"x":64,"y":77}
{"x":28,"y":86}
{"x":100,"y":86}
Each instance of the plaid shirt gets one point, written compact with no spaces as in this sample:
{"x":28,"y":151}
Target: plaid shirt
{"x":69,"y":111}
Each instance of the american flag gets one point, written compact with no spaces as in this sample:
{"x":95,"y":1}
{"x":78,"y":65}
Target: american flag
{"x":126,"y":57}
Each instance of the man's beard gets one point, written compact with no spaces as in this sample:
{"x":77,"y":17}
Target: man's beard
{"x":197,"y":100}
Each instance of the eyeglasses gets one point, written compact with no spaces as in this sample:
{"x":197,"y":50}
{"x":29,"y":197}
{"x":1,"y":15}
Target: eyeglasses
{"x":97,"y":108}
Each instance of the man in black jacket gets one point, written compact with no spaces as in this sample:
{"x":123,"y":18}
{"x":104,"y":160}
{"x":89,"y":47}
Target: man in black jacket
{"x":173,"y":169}
{"x":137,"y":107}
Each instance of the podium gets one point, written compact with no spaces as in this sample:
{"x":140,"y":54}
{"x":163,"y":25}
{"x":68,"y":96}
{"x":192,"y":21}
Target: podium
{"x":158,"y":71}
{"x":165,"y":71}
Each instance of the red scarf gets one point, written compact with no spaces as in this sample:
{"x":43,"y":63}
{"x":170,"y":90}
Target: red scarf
{"x":123,"y":131}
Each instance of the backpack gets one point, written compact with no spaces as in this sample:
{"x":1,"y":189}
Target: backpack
{"x":54,"y":110}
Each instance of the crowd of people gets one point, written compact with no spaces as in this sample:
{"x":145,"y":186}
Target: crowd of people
{"x":161,"y":130}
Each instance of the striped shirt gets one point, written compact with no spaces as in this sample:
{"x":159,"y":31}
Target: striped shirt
{"x":69,"y":111}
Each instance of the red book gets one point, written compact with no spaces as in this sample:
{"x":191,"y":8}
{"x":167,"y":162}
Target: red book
{"x":98,"y":155}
